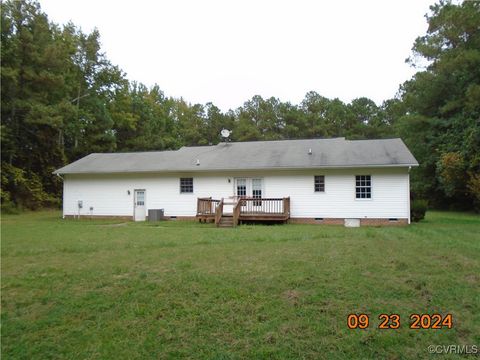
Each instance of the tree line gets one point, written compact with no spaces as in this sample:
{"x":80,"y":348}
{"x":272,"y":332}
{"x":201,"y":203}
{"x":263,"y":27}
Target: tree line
{"x":61,"y":99}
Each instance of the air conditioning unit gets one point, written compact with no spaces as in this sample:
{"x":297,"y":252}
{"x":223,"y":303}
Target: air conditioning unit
{"x":156,"y":214}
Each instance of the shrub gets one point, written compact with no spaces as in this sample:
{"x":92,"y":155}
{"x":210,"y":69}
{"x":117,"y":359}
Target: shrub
{"x":418,"y":209}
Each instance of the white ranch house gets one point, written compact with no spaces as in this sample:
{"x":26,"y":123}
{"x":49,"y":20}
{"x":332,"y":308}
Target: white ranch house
{"x":324,"y":181}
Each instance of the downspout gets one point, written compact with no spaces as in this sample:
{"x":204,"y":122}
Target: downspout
{"x":408,"y":181}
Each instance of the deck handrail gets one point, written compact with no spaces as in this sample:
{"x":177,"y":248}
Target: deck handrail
{"x":236,"y":212}
{"x":206,"y":206}
{"x":219,"y":212}
{"x":252,"y":206}
{"x":244,"y":208}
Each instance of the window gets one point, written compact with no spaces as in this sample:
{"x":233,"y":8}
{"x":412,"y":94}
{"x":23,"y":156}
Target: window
{"x":319,"y":182}
{"x":186,"y":185}
{"x":140,"y":197}
{"x":363,"y":187}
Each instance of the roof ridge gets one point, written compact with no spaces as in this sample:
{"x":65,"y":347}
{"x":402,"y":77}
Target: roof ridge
{"x":134,"y":152}
{"x":281,"y":140}
{"x":383,"y":139}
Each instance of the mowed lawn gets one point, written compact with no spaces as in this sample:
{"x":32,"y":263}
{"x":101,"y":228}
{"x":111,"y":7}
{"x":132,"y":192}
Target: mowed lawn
{"x":93,"y":289}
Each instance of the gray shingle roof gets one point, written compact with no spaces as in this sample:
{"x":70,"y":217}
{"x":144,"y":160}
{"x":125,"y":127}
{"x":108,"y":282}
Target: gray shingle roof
{"x":282,"y":154}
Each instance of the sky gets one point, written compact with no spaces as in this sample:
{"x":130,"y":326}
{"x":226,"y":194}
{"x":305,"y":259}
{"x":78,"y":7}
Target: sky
{"x":225,"y":52}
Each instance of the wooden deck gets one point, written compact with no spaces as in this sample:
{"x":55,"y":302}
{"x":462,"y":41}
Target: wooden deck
{"x":244,"y":209}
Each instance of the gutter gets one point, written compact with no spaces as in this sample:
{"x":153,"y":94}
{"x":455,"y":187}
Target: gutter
{"x":244,"y":169}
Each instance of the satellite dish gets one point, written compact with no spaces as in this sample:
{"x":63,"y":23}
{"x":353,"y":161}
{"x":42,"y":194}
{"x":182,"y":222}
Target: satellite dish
{"x":225,"y":133}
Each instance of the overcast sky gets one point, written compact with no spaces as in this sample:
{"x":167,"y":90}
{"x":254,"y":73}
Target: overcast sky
{"x":227,"y":51}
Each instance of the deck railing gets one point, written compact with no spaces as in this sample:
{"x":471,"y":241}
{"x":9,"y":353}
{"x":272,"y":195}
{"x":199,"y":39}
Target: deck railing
{"x":207,"y":206}
{"x":245,"y":206}
{"x":265,"y":206}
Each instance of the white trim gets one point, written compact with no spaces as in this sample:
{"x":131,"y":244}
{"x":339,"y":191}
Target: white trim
{"x":408,"y":195}
{"x":63,"y":196}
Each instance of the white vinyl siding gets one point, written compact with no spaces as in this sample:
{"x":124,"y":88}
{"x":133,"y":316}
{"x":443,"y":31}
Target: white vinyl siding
{"x":108,"y":194}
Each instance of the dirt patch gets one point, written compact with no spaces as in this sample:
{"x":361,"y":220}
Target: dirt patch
{"x":472,"y":279}
{"x":292,"y":296}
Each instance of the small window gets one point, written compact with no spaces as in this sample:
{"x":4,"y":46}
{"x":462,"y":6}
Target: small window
{"x":140,"y":197}
{"x":319,"y":183}
{"x":186,"y":185}
{"x":363,"y":187}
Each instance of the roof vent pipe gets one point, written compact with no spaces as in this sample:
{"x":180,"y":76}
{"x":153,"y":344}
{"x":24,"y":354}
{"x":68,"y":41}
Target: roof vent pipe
{"x":310,"y":151}
{"x":198,"y":162}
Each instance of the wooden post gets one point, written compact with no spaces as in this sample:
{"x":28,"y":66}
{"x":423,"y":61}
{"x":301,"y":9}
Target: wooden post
{"x":219,"y":213}
{"x":236,"y":212}
{"x":286,"y":207}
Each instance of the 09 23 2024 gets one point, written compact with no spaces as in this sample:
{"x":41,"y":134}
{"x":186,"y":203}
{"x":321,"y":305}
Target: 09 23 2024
{"x":394,"y":321}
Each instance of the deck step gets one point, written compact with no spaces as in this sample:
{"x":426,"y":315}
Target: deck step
{"x":226,"y":221}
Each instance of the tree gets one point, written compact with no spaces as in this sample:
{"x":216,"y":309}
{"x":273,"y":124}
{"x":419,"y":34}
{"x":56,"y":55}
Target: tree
{"x":444,"y":100}
{"x":31,"y":104}
{"x":215,"y":122}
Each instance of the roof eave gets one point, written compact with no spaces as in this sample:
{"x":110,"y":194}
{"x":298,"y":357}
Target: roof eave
{"x":59,"y":172}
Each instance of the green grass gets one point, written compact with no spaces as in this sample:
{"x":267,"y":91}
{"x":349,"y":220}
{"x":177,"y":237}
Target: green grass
{"x":95,"y":289}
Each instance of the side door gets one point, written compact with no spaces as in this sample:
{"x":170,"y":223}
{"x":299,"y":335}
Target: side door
{"x":139,"y":205}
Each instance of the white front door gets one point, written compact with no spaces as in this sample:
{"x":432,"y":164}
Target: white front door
{"x":139,"y":205}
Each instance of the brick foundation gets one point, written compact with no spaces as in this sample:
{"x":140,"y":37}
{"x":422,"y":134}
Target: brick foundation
{"x":127,"y":218}
{"x":181,"y":218}
{"x":100,"y":217}
{"x":325,"y":221}
{"x":383,"y":222}
{"x":341,"y":221}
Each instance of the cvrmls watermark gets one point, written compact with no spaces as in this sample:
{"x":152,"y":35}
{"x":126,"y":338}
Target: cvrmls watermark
{"x":454,"y":349}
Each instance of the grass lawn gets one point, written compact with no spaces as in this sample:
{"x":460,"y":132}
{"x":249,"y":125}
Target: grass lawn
{"x":111,"y":290}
